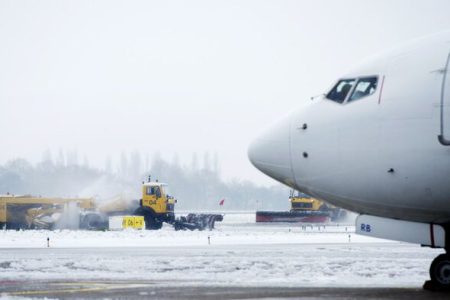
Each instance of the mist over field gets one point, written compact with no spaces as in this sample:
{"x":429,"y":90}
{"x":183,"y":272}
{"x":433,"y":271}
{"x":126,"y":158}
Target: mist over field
{"x":196,"y":185}
{"x":178,"y":77}
{"x":222,"y":100}
{"x":190,"y":83}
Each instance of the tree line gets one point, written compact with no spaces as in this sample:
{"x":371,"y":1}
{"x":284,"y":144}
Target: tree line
{"x":196,"y":186}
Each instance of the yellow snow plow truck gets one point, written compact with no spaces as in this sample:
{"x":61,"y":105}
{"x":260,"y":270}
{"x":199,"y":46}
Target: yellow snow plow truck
{"x":157,"y":206}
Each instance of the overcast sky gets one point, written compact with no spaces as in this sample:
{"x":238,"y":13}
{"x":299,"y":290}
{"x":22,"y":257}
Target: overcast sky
{"x":104,"y":77}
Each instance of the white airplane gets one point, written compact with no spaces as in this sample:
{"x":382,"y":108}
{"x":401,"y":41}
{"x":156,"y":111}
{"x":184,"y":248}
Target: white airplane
{"x":377,"y":143}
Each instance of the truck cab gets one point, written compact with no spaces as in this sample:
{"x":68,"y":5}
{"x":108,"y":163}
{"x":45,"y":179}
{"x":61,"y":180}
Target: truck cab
{"x":156,"y":205}
{"x":156,"y":196}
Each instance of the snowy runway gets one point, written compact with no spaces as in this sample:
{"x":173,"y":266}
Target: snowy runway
{"x":290,"y":265}
{"x":239,"y":253}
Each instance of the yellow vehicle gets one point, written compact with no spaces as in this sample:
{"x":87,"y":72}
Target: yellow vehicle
{"x":156,"y":205}
{"x":303,"y":202}
{"x":28,"y":211}
{"x":305,"y":209}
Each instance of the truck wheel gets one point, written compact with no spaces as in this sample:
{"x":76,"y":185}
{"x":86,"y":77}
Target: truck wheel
{"x":151,"y":222}
{"x":91,"y":221}
{"x":156,"y":225}
{"x":440,"y":271}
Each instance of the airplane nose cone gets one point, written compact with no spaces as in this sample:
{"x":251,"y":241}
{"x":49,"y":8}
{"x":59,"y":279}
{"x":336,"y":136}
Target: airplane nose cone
{"x":270,"y":153}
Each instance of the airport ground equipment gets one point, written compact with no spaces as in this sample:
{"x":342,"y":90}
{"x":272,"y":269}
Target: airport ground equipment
{"x":304,"y":209}
{"x":157,"y":206}
{"x":27,"y":212}
{"x":197,"y":221}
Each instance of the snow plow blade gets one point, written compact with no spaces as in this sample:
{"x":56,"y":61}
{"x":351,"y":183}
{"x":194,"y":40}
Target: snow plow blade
{"x":197,"y":221}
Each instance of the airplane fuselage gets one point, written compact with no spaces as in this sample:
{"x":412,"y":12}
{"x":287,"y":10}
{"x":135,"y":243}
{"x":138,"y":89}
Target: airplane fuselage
{"x":378,"y":155}
{"x":378,"y":143}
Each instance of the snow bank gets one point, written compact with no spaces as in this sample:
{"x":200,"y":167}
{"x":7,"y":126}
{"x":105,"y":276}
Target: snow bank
{"x":224,"y":234}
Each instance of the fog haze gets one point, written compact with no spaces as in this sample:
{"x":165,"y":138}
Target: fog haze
{"x":174,"y":78}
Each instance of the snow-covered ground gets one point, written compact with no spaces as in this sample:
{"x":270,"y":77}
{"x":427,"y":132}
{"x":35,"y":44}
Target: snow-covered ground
{"x":237,"y":252}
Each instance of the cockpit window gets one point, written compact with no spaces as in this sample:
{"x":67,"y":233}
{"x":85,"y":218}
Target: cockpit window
{"x":340,"y":90}
{"x":153,"y":190}
{"x":353,"y":89}
{"x":365,"y":87}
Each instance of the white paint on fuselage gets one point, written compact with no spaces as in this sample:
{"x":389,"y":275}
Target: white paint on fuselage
{"x":350,"y":147}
